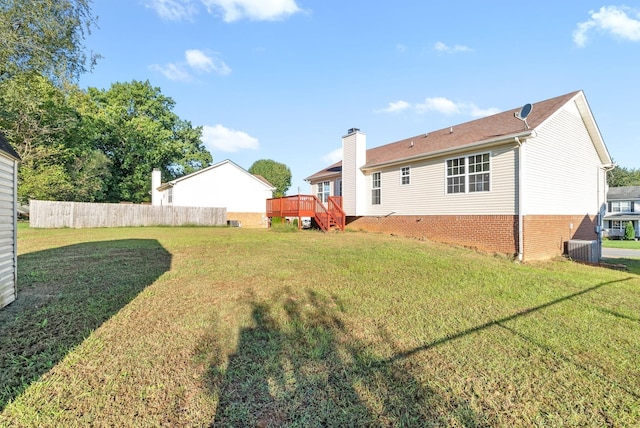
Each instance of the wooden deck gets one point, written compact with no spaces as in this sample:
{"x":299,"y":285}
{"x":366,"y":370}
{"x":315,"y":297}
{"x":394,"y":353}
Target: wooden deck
{"x":326,"y":217}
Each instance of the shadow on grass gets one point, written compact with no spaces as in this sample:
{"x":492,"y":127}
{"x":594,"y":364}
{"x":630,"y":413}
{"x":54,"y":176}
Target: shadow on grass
{"x":299,"y":366}
{"x":63,"y":295}
{"x":498,"y":321}
{"x":632,"y":265}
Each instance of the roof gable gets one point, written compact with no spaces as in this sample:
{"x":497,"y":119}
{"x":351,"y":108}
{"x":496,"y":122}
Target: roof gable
{"x":258,"y":178}
{"x":7,"y":149}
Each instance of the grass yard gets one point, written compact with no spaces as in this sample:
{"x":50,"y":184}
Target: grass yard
{"x":620,"y":243}
{"x":237,"y":327}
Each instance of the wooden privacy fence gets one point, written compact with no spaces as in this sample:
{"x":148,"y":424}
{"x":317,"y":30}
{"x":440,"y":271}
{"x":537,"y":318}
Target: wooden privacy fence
{"x":53,"y":214}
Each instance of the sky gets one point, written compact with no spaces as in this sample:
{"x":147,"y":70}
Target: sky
{"x":285,"y":79}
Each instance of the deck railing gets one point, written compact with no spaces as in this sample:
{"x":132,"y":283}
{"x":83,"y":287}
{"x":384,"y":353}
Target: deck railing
{"x":308,"y":206}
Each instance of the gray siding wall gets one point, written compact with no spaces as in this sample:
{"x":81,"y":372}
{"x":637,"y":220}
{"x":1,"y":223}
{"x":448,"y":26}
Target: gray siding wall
{"x":8,"y":249}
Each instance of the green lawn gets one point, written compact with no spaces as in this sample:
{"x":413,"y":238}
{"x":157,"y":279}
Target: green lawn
{"x":619,"y":243}
{"x":237,"y":327}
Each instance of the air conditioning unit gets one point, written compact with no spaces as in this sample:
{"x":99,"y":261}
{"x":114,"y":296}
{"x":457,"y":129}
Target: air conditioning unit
{"x":583,"y":250}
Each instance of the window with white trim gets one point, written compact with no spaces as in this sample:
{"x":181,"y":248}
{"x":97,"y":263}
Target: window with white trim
{"x":617,"y":225}
{"x":405,"y":174}
{"x":455,"y":175}
{"x":375,"y":188}
{"x":323,"y":191}
{"x":170,"y":195}
{"x":469,"y":174}
{"x":621,"y":206}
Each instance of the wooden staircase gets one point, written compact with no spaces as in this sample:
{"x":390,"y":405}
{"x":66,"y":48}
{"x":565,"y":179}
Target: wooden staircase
{"x":329,"y":217}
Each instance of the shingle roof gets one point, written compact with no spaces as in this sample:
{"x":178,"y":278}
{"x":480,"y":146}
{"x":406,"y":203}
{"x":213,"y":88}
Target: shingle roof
{"x":457,"y":136}
{"x":623,"y":193}
{"x":6,"y":147}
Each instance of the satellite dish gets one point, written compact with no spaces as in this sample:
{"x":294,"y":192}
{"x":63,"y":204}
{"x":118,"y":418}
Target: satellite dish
{"x":523,"y":113}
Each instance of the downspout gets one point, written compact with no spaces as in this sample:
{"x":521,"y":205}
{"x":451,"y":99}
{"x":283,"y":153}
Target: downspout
{"x":602,"y":207}
{"x":520,"y":200}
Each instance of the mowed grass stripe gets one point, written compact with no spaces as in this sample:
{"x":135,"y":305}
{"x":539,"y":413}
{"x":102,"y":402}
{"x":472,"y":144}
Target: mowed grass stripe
{"x":233,"y":327}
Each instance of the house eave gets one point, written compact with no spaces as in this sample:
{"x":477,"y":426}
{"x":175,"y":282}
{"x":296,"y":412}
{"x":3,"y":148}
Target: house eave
{"x":452,"y":151}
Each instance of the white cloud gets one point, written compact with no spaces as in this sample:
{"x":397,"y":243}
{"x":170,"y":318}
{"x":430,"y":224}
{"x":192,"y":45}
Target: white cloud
{"x":441,"y":105}
{"x":232,"y":10}
{"x":257,"y":10}
{"x":441,"y":47}
{"x":476,"y":111}
{"x":173,"y":10}
{"x":200,"y":61}
{"x":333,"y":156}
{"x":172,"y":71}
{"x":609,"y":19}
{"x":196,"y":60}
{"x":227,"y":140}
{"x":396,"y":106}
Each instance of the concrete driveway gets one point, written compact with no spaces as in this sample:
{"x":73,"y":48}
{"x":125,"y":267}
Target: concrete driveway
{"x":619,"y":253}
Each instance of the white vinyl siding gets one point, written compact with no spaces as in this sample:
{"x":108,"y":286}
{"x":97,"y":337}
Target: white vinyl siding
{"x":561,"y":153}
{"x":426,"y":195}
{"x":224,"y":185}
{"x":8,"y":252}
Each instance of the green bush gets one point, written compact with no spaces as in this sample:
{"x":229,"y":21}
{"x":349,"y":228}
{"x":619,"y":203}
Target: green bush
{"x":629,"y":232}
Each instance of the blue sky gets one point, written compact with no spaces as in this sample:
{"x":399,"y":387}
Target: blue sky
{"x":285,"y":79}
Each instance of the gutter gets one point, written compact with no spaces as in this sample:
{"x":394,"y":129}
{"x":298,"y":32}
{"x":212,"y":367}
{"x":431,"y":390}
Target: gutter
{"x":479,"y":144}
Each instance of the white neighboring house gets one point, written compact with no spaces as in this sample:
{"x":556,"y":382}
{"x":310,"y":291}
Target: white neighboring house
{"x":8,"y":222}
{"x":222,"y":185}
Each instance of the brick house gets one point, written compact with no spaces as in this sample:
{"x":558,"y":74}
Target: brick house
{"x":623,"y":206}
{"x":503,"y":183}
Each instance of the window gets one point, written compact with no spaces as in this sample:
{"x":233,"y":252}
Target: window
{"x":621,"y":206}
{"x":618,"y":225}
{"x":323,"y":191}
{"x":470,"y":172}
{"x":405,"y":173}
{"x":375,"y":188}
{"x":479,"y":173}
{"x":455,"y":175}
{"x":170,"y":195}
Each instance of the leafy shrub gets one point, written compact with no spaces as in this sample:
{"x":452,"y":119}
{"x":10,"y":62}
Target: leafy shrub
{"x":629,"y":231}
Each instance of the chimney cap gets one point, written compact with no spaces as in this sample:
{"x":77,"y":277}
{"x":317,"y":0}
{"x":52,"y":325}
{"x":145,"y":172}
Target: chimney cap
{"x":352,"y":130}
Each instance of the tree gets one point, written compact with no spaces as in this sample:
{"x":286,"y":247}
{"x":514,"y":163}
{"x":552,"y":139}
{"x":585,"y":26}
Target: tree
{"x":620,"y":176}
{"x":275,"y":173}
{"x":629,"y":232}
{"x":45,"y":37}
{"x":45,"y":130}
{"x":136,"y":129}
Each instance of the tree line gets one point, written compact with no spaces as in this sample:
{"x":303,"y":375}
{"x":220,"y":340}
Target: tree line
{"x":93,"y":145}
{"x":621,"y":176}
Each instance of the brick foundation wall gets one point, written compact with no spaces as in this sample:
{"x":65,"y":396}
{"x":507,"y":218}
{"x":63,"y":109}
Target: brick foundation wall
{"x":545,"y":235}
{"x":249,"y":220}
{"x":491,"y":233}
